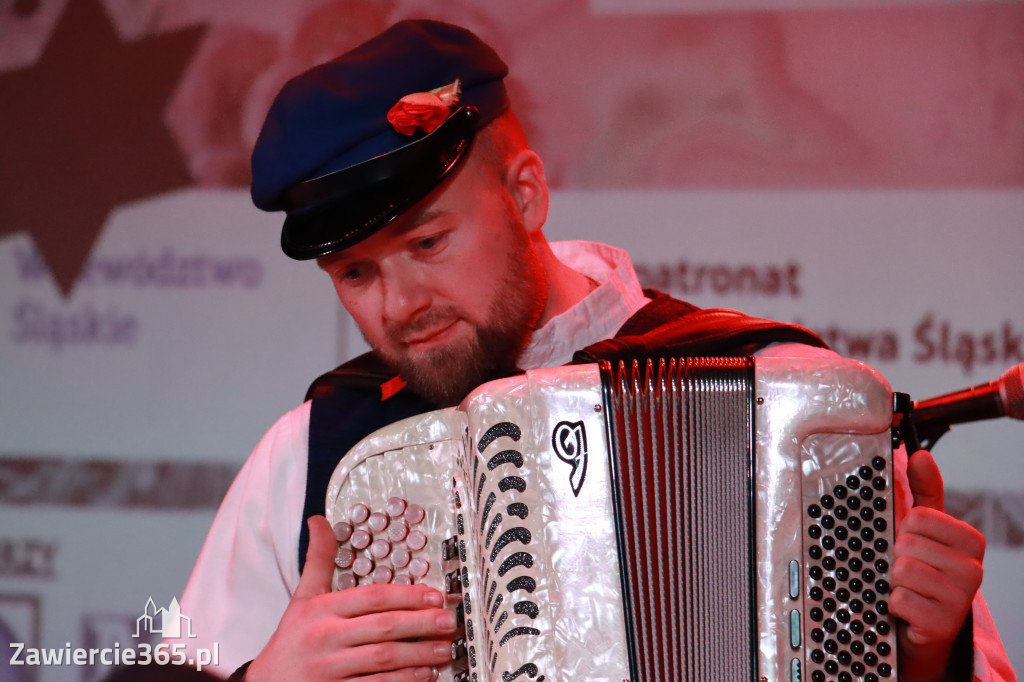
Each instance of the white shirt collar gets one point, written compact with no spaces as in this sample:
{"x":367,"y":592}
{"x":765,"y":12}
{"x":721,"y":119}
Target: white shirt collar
{"x":597,"y":316}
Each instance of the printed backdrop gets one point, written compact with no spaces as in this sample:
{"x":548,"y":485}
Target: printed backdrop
{"x":856,"y":166}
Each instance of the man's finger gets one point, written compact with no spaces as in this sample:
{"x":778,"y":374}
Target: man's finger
{"x":319,"y":568}
{"x":925,"y":481}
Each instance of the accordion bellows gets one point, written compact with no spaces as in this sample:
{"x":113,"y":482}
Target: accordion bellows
{"x":720,"y":518}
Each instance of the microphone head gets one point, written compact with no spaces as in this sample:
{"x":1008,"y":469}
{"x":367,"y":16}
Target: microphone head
{"x":1011,"y":390}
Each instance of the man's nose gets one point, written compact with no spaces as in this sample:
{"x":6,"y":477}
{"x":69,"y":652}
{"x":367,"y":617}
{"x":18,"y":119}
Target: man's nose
{"x":404,"y":296}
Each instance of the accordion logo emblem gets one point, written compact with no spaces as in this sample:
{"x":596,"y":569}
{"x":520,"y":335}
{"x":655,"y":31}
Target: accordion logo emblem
{"x":569,"y":440}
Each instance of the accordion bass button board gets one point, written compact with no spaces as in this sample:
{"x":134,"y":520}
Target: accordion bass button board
{"x":692,"y":519}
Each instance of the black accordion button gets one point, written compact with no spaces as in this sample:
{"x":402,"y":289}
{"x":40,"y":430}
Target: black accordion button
{"x":831,"y":667}
{"x":814,"y":511}
{"x":856,"y":627}
{"x":841,"y":513}
{"x":867,"y":513}
{"x":831,"y":646}
{"x":827,"y":501}
{"x":856,"y":605}
{"x":815,"y":572}
{"x":818,"y":635}
{"x":814,"y":531}
{"x":881,"y":545}
{"x":882,"y":628}
{"x":871,"y":659}
{"x":839,"y":492}
{"x":866,"y":473}
{"x":857,"y":648}
{"x":884,"y":669}
{"x":884,"y":649}
{"x":814,"y":552}
{"x":828,"y":523}
{"x":818,"y":656}
{"x":853,"y":503}
{"x":829,"y":563}
{"x":878,"y":483}
{"x":843,"y":573}
{"x":852,"y":482}
{"x":878,"y":463}
{"x":844,"y":677}
{"x":879,"y":504}
{"x":843,"y":636}
{"x":816,"y":594}
{"x":828,"y":542}
{"x":858,"y":669}
{"x":817,"y":676}
{"x":880,"y":524}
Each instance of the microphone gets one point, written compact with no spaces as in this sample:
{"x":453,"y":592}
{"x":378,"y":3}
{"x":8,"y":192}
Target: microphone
{"x":1003,"y":397}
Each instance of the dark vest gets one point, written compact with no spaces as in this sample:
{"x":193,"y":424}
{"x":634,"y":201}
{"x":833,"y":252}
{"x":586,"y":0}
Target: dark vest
{"x":353,"y":400}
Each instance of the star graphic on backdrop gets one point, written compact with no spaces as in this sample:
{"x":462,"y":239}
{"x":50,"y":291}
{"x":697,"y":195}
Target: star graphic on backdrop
{"x":83,"y":132}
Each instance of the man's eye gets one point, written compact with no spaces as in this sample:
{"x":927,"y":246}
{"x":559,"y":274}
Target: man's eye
{"x":351,"y":274}
{"x":429,"y":243}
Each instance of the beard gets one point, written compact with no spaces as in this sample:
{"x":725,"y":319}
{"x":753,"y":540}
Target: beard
{"x":446,"y":375}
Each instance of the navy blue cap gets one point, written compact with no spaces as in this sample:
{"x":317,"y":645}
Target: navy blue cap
{"x":330,"y":159}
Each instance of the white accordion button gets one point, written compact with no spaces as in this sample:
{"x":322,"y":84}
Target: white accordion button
{"x":402,"y":579}
{"x":342,"y":531}
{"x":361,"y":539}
{"x":398,"y":530}
{"x":358,"y":513}
{"x":344,"y":557}
{"x":378,"y":522}
{"x":395,"y":507}
{"x":346,"y":581}
{"x":414,"y":514}
{"x":416,"y":540}
{"x":418,"y":567}
{"x":380,"y":549}
{"x":362,"y":566}
{"x":382,"y":575}
{"x":400,"y":557}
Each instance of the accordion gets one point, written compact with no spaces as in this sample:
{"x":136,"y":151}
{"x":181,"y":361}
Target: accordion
{"x":688,"y":519}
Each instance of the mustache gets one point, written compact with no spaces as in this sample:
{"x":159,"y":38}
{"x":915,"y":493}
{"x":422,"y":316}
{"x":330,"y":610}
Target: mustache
{"x":425,"y":322}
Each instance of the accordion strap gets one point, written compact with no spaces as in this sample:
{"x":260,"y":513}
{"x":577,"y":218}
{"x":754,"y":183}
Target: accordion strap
{"x":675,"y":328}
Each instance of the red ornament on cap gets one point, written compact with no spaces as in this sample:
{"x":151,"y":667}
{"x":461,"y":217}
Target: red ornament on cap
{"x":423,"y":110}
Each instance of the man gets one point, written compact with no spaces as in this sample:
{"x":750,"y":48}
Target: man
{"x":426,"y":210}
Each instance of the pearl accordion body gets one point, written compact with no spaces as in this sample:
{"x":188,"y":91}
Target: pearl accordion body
{"x":697,"y":519}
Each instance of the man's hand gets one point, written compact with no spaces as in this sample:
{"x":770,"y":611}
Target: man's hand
{"x":364,"y":633}
{"x":936,"y":572}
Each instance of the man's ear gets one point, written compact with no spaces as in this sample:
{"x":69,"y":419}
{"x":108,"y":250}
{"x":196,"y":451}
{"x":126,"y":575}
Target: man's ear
{"x":529,"y":189}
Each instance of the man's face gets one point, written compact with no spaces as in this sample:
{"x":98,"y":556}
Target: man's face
{"x":449,"y":293}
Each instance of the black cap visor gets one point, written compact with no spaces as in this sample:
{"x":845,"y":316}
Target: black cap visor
{"x":335,"y":211}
